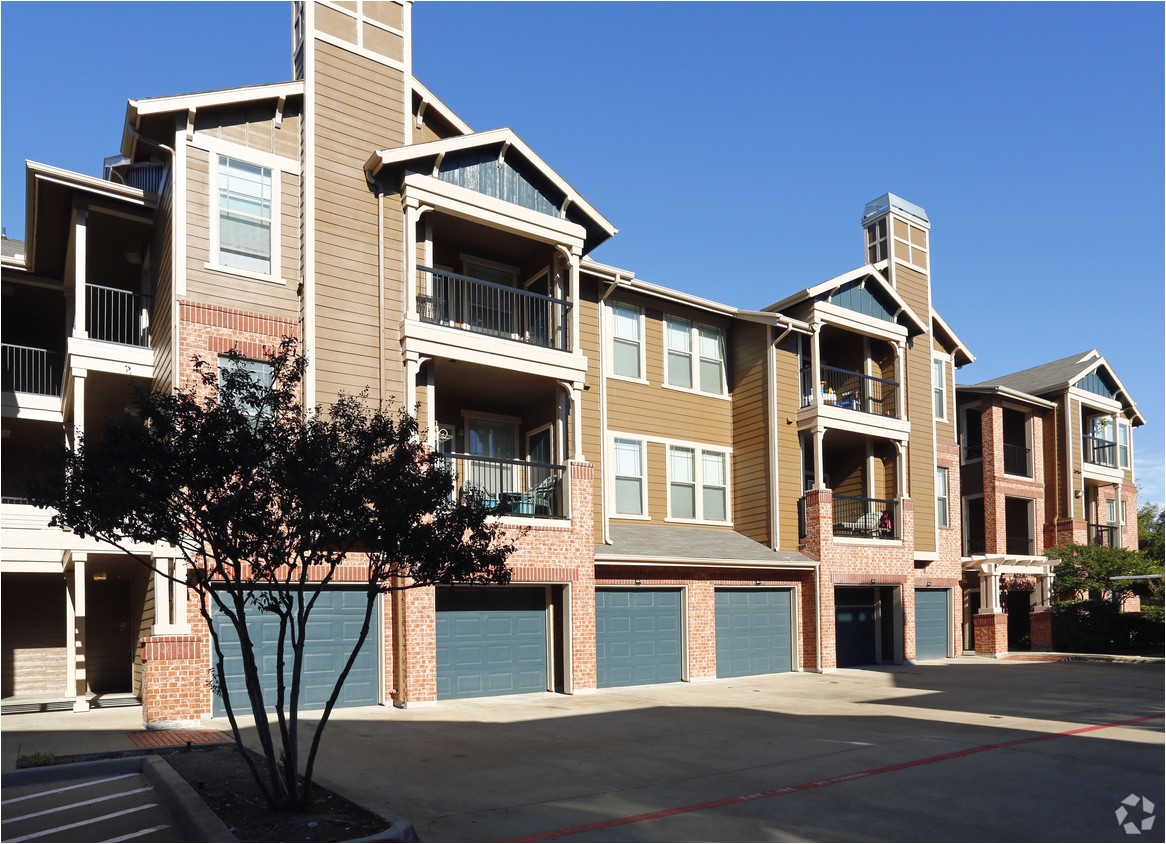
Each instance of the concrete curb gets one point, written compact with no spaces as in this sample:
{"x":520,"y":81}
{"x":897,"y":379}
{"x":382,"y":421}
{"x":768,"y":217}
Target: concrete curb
{"x":71,"y":770}
{"x":191,"y":810}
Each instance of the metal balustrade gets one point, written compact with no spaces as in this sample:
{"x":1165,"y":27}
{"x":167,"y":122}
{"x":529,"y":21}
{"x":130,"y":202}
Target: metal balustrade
{"x":851,"y":390}
{"x":512,"y":487}
{"x":869,"y":518}
{"x":1104,"y":535}
{"x":117,"y":316}
{"x":975,"y":543}
{"x":1017,"y":460}
{"x":496,"y":310}
{"x":1099,"y":452}
{"x":32,"y":370}
{"x":1018,"y":545}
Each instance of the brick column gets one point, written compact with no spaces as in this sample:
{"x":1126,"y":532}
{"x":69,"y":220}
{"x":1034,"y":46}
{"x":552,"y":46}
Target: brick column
{"x":174,"y":682}
{"x":1040,"y":630}
{"x":819,"y":535}
{"x":991,"y":634}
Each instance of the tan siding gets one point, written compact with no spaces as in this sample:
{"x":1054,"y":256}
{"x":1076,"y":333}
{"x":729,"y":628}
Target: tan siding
{"x":335,"y":23}
{"x":751,"y":486}
{"x":162,"y":311}
{"x":386,"y":43}
{"x":351,"y":123}
{"x":384,"y":12}
{"x":912,"y":285}
{"x":592,"y":424}
{"x":657,"y":412}
{"x":789,"y":452}
{"x":921,"y":450}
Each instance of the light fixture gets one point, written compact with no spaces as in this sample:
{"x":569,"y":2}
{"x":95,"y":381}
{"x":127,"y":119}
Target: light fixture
{"x":874,"y":580}
{"x":929,"y":583}
{"x":99,"y":576}
{"x":639,"y":582}
{"x":758,"y":582}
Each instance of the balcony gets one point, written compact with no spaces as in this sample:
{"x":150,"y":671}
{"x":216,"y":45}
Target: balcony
{"x":31,"y":370}
{"x":1018,"y":545}
{"x":491,"y":309}
{"x":512,"y":487}
{"x":852,"y":391}
{"x":1099,"y":452}
{"x":975,"y":543}
{"x":865,"y":518}
{"x":1017,"y":460}
{"x":117,"y":316}
{"x":1105,"y":536}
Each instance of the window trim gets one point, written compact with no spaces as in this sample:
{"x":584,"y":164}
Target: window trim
{"x":695,"y":358}
{"x":215,"y":263}
{"x":255,"y":366}
{"x":642,"y":444}
{"x":641,"y":341}
{"x":941,"y":387}
{"x":698,"y":452}
{"x":943,"y":514}
{"x":1124,"y":431}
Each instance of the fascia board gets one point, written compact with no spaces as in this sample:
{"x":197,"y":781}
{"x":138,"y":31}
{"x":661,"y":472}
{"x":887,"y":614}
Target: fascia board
{"x":472,"y":205}
{"x":1129,"y":404}
{"x":853,"y":275}
{"x":445,"y":111}
{"x":1008,"y":392}
{"x":954,"y":340}
{"x":625,"y":559}
{"x":836,"y":315}
{"x":90,"y":184}
{"x":659,"y":292}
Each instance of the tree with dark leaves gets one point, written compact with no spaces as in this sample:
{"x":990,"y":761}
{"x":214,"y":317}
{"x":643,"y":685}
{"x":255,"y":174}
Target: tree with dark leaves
{"x":266,"y":502}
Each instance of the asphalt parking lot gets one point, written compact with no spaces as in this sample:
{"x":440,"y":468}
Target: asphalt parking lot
{"x":960,"y":750}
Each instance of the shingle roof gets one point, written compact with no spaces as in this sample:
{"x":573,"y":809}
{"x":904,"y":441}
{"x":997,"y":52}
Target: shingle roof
{"x":11,"y":248}
{"x":692,"y":546}
{"x":1047,"y":376}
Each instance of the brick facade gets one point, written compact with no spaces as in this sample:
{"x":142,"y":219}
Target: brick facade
{"x":1040,"y":630}
{"x":991,"y":634}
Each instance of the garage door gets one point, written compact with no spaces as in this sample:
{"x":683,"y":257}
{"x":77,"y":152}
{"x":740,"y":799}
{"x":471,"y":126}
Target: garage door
{"x":637,"y":636}
{"x":854,"y":625}
{"x":754,"y":631}
{"x":931,"y":623}
{"x":491,"y":641}
{"x":333,"y":628}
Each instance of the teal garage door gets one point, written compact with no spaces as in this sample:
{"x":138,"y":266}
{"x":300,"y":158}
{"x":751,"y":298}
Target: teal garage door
{"x":491,"y":641}
{"x":754,"y":631}
{"x":932,"y":630}
{"x":333,"y":628}
{"x":637,"y":636}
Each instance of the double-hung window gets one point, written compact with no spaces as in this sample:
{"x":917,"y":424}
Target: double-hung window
{"x":697,"y":484}
{"x":681,"y":339}
{"x":245,"y":208}
{"x":939,"y":369}
{"x":629,"y":477}
{"x":941,"y":497}
{"x":259,"y":372}
{"x":626,"y":342}
{"x":1123,"y":445}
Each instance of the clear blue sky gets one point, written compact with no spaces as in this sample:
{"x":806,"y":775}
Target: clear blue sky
{"x":734,"y":145}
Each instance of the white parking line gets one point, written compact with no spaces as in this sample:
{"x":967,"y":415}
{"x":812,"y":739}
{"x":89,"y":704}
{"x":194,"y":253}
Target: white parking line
{"x":140,"y":833}
{"x":45,"y":832}
{"x":77,"y":805}
{"x":66,"y":788}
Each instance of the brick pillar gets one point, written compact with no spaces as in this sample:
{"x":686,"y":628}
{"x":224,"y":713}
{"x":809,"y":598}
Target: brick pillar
{"x":417,"y":629}
{"x":174,"y":682}
{"x":991,"y":634}
{"x":582,"y":632}
{"x":819,"y":536}
{"x":1041,"y":630}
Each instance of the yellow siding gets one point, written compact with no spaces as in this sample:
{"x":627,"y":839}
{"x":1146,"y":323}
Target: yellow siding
{"x":592,"y":424}
{"x":162,"y":313}
{"x":912,"y":285}
{"x":921,"y":450}
{"x":751,"y":487}
{"x":789,"y":451}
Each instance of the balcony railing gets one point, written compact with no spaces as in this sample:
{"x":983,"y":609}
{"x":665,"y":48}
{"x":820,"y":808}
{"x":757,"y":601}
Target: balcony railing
{"x":851,"y":390}
{"x":869,"y":518}
{"x":30,"y":370}
{"x":513,"y":487}
{"x":1104,"y":535}
{"x":1099,"y":452}
{"x":117,"y":316}
{"x":1018,"y":545}
{"x":975,"y":544}
{"x":1017,"y":460}
{"x":496,"y":310}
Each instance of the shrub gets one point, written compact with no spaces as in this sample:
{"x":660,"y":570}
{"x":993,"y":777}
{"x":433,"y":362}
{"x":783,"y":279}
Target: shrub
{"x":1099,"y":627}
{"x":36,"y":760}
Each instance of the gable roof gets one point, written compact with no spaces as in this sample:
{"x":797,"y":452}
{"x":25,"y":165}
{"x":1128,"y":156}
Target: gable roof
{"x":431,"y":101}
{"x":1058,"y":375}
{"x":867,"y":271}
{"x":961,"y":353}
{"x":574,"y":205}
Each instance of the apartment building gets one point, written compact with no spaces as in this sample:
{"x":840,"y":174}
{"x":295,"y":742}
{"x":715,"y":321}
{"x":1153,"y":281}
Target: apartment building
{"x":704,"y":490}
{"x":1046,"y":458}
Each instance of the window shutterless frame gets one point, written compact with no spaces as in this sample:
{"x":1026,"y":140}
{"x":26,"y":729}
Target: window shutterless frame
{"x":629,"y":461}
{"x":627,"y":340}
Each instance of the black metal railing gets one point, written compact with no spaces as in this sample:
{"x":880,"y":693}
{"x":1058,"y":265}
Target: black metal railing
{"x":1104,"y":535}
{"x":1098,"y":451}
{"x":870,"y":518}
{"x":484,"y":307}
{"x":512,"y":487}
{"x":1017,"y":460}
{"x":802,"y":517}
{"x":1018,"y":545}
{"x":974,"y":451}
{"x":31,"y":370}
{"x":975,"y":543}
{"x":117,"y":316}
{"x":851,"y":390}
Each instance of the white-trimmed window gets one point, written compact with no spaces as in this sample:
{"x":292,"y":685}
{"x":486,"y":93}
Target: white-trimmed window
{"x":627,"y":347}
{"x":246,"y":202}
{"x":1123,"y":445}
{"x":629,"y":477}
{"x":941,"y":498}
{"x":682,"y":337}
{"x":697,"y":484}
{"x":261,"y":373}
{"x":939,"y":378}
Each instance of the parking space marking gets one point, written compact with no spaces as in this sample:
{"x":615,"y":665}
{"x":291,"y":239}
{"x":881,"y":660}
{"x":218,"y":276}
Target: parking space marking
{"x":140,"y":833}
{"x":78,"y":805}
{"x":85,"y":822}
{"x":85,"y":784}
{"x":808,"y":786}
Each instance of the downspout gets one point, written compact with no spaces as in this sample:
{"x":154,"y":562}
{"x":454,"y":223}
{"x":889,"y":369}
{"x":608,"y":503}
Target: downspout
{"x":139,"y":137}
{"x":372,"y":183}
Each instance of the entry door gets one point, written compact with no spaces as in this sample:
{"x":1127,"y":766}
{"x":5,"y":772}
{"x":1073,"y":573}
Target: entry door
{"x":109,"y":639}
{"x":854,"y":614}
{"x":494,"y":438}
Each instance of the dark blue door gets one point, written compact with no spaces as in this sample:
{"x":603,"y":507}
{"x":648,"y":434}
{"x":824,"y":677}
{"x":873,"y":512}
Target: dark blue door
{"x":637,"y":636}
{"x":754,"y":631}
{"x":333,"y":628}
{"x":854,"y":615}
{"x":491,"y":641}
{"x":931,"y":627}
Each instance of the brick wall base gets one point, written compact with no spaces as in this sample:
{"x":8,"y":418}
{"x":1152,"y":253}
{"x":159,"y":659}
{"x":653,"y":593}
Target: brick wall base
{"x":174,"y":677}
{"x":1040,"y":630}
{"x":991,"y":634}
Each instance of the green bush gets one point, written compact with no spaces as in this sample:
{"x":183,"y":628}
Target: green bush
{"x":1099,"y":627}
{"x":36,"y":760}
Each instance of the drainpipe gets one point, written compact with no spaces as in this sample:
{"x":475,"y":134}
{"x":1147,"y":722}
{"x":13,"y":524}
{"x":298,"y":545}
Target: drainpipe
{"x":372,"y":183}
{"x":818,"y":612}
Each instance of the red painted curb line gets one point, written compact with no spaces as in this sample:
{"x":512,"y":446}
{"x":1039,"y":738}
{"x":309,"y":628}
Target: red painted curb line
{"x":808,"y":786}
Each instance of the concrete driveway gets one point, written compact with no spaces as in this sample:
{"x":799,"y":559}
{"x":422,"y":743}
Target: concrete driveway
{"x":961,"y":750}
